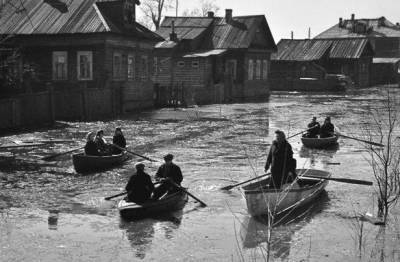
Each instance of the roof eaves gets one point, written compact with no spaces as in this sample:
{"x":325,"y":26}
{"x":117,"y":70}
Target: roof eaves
{"x":101,"y":17}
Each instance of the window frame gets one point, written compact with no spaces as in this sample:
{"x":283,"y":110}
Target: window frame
{"x":195,"y":64}
{"x":130,"y":68}
{"x":89,"y":54}
{"x":258,"y":69}
{"x":56,"y":54}
{"x":265,"y":70}
{"x":117,"y":74}
{"x":145,"y":66}
{"x":181,"y":64}
{"x":234,"y":62}
{"x":250,"y":72}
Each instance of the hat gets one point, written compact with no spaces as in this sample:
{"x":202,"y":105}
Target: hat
{"x":314,"y":118}
{"x":99,"y":132}
{"x":139,"y":166}
{"x":168,"y":157}
{"x":328,"y":118}
{"x":118,"y":129}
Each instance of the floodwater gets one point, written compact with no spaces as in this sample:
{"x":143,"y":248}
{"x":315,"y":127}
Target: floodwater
{"x":50,"y":213}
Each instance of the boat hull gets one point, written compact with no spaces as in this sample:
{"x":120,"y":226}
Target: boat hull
{"x":169,"y":203}
{"x":262,"y":200}
{"x":86,"y":164}
{"x":320,"y":142}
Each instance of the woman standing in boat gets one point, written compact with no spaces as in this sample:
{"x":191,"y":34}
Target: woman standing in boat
{"x":281,"y":161}
{"x":327,"y":129}
{"x":139,"y":187}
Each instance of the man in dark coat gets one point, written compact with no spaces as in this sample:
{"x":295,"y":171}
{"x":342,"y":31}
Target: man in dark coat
{"x":327,"y":129}
{"x":281,"y":161}
{"x":166,"y":173}
{"x":313,"y":128}
{"x":140,"y":187}
{"x":119,"y":140}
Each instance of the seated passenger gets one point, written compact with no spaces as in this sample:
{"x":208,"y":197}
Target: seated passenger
{"x":91,"y":147}
{"x":327,"y":129}
{"x":101,"y":143}
{"x":118,"y":140}
{"x":313,"y":128}
{"x":140,"y":187}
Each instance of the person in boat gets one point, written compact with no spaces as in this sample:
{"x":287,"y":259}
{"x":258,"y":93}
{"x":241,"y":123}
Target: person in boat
{"x":167,"y":173}
{"x":101,"y":143}
{"x":139,"y":187}
{"x":91,"y":147}
{"x":327,"y":129}
{"x":119,"y":140}
{"x":281,"y":161}
{"x":313,"y":128}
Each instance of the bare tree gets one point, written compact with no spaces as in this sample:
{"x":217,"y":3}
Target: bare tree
{"x":205,"y":7}
{"x":385,"y":162}
{"x":154,"y":9}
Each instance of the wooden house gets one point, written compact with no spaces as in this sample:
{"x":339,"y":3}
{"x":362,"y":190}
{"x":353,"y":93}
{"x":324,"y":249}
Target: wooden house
{"x":384,"y":37}
{"x":213,"y":59}
{"x":90,"y":47}
{"x":317,"y":61}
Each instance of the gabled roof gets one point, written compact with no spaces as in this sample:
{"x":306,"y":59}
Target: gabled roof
{"x":315,"y":49}
{"x":238,"y":33}
{"x":376,"y":27}
{"x":36,"y":17}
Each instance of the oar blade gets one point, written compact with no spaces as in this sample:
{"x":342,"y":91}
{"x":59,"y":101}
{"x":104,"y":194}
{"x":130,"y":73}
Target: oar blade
{"x":227,"y":187}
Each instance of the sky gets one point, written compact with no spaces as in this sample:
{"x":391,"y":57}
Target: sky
{"x":284,"y":16}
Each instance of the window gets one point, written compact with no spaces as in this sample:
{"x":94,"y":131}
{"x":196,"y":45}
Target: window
{"x":131,"y":67}
{"x":145,"y":68}
{"x":60,"y":65}
{"x":181,"y":64}
{"x":265,"y":69}
{"x":258,"y":70}
{"x":195,"y":63}
{"x":231,"y":67}
{"x":117,"y":66}
{"x":85,"y":65}
{"x":251,"y":70}
{"x":155,"y":65}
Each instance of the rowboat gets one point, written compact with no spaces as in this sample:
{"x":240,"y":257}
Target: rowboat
{"x":85,"y":164}
{"x":262,"y":200}
{"x":319,"y":142}
{"x":167,"y":203}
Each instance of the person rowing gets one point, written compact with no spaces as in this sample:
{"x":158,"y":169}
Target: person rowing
{"x":167,"y":172}
{"x":139,"y":187}
{"x":327,"y":129}
{"x":119,"y":140}
{"x":313,"y":128}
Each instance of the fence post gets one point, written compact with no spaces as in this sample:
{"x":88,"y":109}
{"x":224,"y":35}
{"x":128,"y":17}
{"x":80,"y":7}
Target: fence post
{"x":50,"y":89}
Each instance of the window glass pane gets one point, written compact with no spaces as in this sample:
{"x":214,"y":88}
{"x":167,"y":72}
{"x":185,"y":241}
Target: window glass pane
{"x":60,"y":65}
{"x":251,"y":70}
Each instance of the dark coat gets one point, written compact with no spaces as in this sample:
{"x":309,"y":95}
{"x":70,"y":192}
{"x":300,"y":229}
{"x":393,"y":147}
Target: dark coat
{"x":280,"y":159}
{"x":120,"y":141}
{"x":139,"y":187}
{"x":327,"y":130}
{"x":315,"y":131}
{"x":171,"y":171}
{"x":101,"y":146}
{"x":91,"y":149}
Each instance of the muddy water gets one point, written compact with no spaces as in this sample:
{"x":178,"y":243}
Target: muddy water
{"x":50,"y":213}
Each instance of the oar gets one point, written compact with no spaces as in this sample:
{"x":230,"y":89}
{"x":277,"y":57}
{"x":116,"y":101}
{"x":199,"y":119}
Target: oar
{"x":302,"y":132}
{"x":114,"y":196}
{"x":133,"y":153}
{"x":48,"y":158}
{"x":244,"y":182}
{"x":361,"y":140}
{"x":342,"y":180}
{"x":187,"y":192}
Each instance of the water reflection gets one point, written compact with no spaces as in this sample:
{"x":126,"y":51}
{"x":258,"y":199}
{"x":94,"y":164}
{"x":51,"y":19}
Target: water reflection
{"x":52,"y":220}
{"x":319,"y":157}
{"x":254,"y":231}
{"x":141,"y":233}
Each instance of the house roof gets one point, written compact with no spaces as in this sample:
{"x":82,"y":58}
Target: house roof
{"x":315,"y":49}
{"x":376,"y":27}
{"x":218,"y":34}
{"x":35,"y":17}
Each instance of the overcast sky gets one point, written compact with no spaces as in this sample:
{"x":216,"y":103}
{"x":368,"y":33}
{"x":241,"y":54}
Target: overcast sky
{"x":298,"y":15}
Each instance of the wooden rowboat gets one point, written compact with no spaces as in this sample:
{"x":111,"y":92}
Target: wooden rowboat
{"x":86,"y":164}
{"x":167,"y":203}
{"x":262,"y":200}
{"x":319,"y":142}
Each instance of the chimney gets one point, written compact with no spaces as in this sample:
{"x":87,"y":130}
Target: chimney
{"x":352,"y":17}
{"x":228,"y":15}
{"x":210,"y":14}
{"x":291,"y":35}
{"x":340,"y":22}
{"x":173,"y":36}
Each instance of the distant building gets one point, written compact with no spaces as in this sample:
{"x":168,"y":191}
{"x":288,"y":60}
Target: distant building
{"x":82,"y":44}
{"x":384,"y":37}
{"x":213,"y":59}
{"x":316,"y":64}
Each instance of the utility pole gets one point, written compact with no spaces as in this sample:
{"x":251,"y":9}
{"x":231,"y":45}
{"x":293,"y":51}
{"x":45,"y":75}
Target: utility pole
{"x":176,"y":5}
{"x":309,"y":33}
